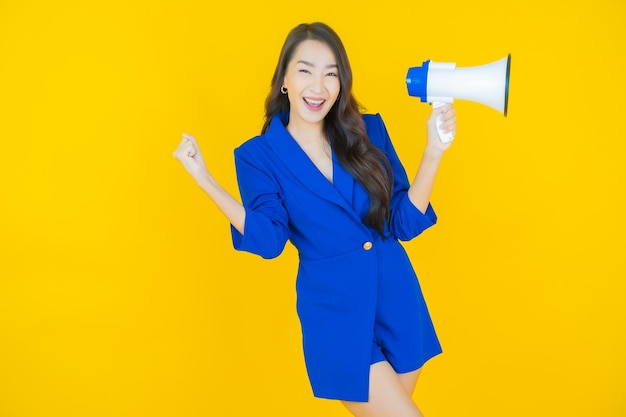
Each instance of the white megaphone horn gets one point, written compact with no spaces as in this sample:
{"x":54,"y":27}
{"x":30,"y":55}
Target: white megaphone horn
{"x":441,"y":82}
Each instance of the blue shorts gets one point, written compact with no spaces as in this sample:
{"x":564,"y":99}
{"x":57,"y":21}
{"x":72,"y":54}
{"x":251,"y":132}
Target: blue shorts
{"x":377,"y":354}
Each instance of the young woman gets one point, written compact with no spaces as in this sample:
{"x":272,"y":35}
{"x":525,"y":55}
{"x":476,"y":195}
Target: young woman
{"x":327,"y":178}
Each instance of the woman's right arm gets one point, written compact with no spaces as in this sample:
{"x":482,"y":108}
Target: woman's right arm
{"x":188,"y":153}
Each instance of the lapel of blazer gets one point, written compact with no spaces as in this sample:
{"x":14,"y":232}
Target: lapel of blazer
{"x":297,"y":161}
{"x":343,"y":181}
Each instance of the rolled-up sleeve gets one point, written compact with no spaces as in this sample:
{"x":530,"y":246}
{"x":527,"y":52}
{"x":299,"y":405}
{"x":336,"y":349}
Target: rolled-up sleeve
{"x":266,"y":227}
{"x":406,"y":221}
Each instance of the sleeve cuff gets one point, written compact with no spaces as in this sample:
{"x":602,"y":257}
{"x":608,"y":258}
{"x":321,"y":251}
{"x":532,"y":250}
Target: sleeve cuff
{"x":408,"y":221}
{"x":260,"y":236}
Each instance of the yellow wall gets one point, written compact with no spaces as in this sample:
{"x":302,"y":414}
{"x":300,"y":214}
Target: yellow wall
{"x":120,"y":293}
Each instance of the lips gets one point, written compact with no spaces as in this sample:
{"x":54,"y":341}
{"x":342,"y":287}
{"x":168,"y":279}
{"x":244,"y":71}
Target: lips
{"x":314,"y":104}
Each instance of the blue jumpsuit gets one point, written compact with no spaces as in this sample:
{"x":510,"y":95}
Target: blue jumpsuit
{"x":355,"y":291}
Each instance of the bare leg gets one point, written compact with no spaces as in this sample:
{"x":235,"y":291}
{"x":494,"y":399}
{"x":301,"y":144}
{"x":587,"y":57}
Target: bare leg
{"x":388,"y":396}
{"x":409,"y":380}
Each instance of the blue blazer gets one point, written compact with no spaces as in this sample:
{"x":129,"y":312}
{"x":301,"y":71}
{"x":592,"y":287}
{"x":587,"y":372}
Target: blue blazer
{"x":353,"y":287}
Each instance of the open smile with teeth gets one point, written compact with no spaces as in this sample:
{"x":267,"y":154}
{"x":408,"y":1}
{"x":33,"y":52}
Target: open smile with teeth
{"x":314,"y":103}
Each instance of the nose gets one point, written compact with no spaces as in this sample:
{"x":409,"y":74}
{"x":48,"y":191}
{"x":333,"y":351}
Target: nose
{"x":317,"y":84}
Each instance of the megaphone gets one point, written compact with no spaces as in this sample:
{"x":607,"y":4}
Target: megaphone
{"x":441,"y":82}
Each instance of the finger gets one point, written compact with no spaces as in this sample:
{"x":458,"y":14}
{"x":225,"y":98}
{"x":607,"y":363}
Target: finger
{"x":184,"y":149}
{"x":438,"y":110}
{"x":449,"y":124}
{"x":449,"y":121}
{"x":189,"y":138}
{"x":183,"y":143}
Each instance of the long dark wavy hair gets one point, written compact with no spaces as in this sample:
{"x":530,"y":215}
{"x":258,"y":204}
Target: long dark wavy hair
{"x":343,"y":125}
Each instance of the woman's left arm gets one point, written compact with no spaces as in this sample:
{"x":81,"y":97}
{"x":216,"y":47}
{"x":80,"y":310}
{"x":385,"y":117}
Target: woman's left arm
{"x":422,"y":186}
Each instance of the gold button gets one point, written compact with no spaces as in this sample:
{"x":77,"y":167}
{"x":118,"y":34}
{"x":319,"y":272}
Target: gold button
{"x":367,"y":245}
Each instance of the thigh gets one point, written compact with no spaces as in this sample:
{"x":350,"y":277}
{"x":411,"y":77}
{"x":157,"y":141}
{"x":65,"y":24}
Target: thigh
{"x":409,"y":380}
{"x":387,"y":396}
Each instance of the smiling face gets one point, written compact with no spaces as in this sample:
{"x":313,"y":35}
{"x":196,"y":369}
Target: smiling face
{"x":312,"y":83}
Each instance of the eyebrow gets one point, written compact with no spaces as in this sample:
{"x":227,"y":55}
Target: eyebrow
{"x":307,"y":63}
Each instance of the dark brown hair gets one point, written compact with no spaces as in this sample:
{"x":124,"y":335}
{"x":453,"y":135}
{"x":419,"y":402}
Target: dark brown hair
{"x":343,"y":125}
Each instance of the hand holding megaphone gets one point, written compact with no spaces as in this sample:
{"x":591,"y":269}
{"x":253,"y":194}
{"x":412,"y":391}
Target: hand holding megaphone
{"x":441,"y":82}
{"x":441,"y":125}
{"x":445,"y":137}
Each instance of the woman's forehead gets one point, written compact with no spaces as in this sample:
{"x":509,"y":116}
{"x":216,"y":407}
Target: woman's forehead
{"x":314,"y":52}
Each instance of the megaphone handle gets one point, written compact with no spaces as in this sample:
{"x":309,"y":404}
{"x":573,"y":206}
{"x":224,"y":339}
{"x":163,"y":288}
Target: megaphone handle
{"x":443,"y":136}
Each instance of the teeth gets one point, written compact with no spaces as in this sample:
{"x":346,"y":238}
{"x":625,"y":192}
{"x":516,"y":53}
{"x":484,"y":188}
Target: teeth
{"x":313,"y":102}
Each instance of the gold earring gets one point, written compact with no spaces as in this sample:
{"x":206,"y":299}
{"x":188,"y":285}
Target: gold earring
{"x":283,"y":89}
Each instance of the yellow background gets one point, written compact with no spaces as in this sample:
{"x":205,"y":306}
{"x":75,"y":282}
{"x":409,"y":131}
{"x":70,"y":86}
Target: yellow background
{"x":121,"y":295}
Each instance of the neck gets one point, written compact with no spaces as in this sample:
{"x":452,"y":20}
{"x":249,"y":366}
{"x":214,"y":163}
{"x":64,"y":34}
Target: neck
{"x":309,"y":133}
